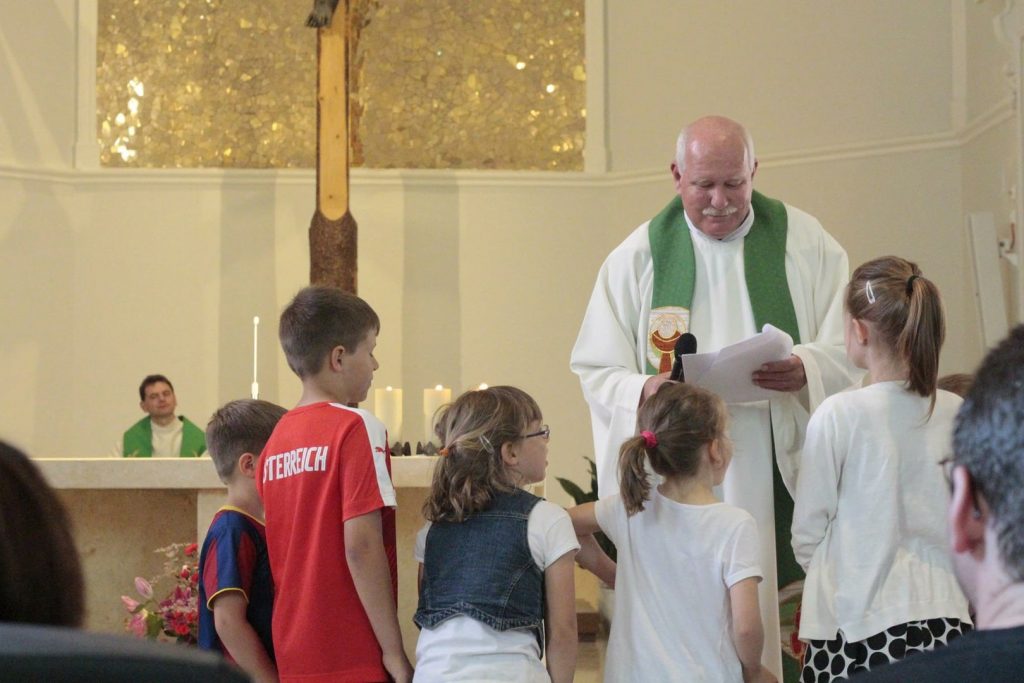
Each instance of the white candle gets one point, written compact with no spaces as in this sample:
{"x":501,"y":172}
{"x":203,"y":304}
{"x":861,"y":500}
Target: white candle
{"x":255,"y":354}
{"x":433,"y":399}
{"x":387,"y":406}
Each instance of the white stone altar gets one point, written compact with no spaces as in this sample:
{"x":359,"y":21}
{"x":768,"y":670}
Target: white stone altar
{"x":125,"y":508}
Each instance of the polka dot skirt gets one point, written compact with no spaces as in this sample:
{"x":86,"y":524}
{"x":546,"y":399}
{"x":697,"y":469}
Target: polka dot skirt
{"x":829,"y":660}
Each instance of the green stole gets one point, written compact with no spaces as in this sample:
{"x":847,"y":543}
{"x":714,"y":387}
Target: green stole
{"x":138,"y":440}
{"x":764,"y":260}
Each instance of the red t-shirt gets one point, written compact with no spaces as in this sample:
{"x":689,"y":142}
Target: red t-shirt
{"x":324,"y":464}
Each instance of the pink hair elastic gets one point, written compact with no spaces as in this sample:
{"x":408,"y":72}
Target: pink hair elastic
{"x":650,"y":440}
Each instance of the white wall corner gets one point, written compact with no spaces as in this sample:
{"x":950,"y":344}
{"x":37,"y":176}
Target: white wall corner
{"x":595,"y":150}
{"x":86,"y":151}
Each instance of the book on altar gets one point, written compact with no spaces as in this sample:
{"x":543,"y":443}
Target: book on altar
{"x":728,"y":371}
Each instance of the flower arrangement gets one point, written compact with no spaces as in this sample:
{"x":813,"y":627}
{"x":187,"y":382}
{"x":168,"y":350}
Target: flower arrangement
{"x":176,"y":617}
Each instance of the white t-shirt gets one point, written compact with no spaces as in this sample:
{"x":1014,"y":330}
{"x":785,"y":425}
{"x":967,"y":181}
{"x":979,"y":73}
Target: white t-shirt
{"x":676,"y":563}
{"x":464,"y":649}
{"x":869,"y":524}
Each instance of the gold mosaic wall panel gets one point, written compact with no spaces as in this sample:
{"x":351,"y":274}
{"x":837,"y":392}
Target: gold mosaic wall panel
{"x":197,"y":83}
{"x":434,"y":84}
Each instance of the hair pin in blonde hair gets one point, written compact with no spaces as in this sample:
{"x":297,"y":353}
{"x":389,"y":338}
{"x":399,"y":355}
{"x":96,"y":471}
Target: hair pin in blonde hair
{"x":869,"y":292}
{"x":487,"y":444}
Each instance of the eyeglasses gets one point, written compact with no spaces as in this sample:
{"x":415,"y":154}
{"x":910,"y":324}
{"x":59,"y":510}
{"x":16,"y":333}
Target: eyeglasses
{"x":545,"y":432}
{"x":947,"y":465}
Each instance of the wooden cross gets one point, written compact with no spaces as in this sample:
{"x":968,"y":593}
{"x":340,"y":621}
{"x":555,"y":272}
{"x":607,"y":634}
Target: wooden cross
{"x":333,"y":230}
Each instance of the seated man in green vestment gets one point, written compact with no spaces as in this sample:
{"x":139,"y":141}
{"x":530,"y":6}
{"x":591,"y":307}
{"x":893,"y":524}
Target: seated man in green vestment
{"x":161,"y":434}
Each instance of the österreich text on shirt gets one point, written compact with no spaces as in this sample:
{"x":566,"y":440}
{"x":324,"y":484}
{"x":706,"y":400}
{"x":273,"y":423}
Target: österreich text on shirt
{"x":297,"y":461}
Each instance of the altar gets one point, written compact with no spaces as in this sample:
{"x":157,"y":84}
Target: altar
{"x":123,"y":509}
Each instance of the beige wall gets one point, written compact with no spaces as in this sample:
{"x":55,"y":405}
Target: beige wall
{"x":478,"y":276}
{"x":37,"y":79}
{"x":801,"y":74}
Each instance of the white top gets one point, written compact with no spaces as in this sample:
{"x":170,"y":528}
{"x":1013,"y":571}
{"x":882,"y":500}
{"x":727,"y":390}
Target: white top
{"x":610,"y":358}
{"x":464,"y":649}
{"x":870,"y":519}
{"x":720,"y":268}
{"x":676,"y":563}
{"x":166,"y":440}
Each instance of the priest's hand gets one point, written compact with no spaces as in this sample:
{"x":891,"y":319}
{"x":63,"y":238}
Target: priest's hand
{"x":652,"y":385}
{"x":780,"y":375}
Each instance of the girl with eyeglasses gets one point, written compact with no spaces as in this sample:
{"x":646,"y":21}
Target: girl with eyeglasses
{"x":869,"y":524}
{"x":496,"y":562}
{"x":688,"y":567}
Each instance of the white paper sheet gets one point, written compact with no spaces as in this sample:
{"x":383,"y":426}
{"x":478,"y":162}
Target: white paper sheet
{"x":727,"y":372}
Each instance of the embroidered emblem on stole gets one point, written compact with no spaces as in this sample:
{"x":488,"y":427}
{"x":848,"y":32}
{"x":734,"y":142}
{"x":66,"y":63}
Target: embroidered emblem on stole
{"x":665,"y":326}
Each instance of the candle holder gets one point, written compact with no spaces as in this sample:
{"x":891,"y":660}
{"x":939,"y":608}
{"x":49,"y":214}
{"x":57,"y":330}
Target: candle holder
{"x":399,"y":448}
{"x":427,"y":448}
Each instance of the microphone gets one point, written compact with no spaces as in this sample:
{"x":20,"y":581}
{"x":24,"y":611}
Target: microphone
{"x":686,"y":344}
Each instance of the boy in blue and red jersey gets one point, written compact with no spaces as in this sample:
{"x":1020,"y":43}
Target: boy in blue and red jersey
{"x":236,"y":590}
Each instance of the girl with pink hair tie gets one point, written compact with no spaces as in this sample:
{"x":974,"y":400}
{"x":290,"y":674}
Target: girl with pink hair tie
{"x":688,"y":568}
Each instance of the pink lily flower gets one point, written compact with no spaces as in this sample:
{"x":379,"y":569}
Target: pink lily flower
{"x":137,"y":624}
{"x":144,"y":588}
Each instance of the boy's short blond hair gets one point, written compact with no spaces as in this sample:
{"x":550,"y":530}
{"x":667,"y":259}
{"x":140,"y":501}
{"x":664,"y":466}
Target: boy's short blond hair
{"x":317,"y":320}
{"x":238,"y":427}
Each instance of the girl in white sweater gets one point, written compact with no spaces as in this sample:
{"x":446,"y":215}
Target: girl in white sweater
{"x":869,"y":523}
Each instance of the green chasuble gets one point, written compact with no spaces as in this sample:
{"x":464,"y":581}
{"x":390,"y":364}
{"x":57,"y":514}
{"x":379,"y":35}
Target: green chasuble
{"x":764,"y":258}
{"x":138,"y":440}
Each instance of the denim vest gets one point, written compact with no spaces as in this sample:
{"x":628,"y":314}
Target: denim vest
{"x":482,"y":568}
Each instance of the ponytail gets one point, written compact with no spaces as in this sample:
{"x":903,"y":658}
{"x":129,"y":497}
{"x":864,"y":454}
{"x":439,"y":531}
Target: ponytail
{"x":634,"y":482}
{"x":905,"y":309}
{"x":922,"y":336}
{"x":675,"y":424}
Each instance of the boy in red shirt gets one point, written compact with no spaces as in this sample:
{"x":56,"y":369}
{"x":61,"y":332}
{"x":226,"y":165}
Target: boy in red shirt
{"x":325,"y":480}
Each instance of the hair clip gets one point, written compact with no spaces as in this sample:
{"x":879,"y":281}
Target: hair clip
{"x":650,"y":440}
{"x":869,"y":292}
{"x":444,"y":451}
{"x":910,"y":284}
{"x":487,"y":444}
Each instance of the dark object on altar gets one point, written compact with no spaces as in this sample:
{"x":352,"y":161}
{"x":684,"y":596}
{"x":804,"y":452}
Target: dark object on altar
{"x":419,"y":448}
{"x":406,"y":449}
{"x":322,"y":12}
{"x":430,"y":449}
